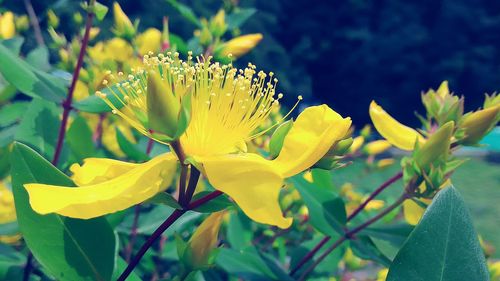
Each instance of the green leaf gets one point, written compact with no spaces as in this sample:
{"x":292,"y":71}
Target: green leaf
{"x":9,"y":228}
{"x":40,"y":127}
{"x":79,"y":138}
{"x":218,"y":204}
{"x":364,"y":248}
{"x":70,"y":249}
{"x":165,"y":199}
{"x":29,"y":80}
{"x":443,"y":246}
{"x":245,"y":264}
{"x":129,"y":148}
{"x":239,"y":230}
{"x":11,"y":263}
{"x":95,"y":104}
{"x":278,"y":137}
{"x":186,"y":12}
{"x":39,"y":58}
{"x":239,"y":17}
{"x":121,"y":264}
{"x":326,"y":210}
{"x":7,"y":135}
{"x":11,"y":113}
{"x":14,"y":44}
{"x":100,"y":11}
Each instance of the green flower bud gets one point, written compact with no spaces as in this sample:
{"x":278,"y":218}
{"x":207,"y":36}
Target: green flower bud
{"x":163,"y":106}
{"x":477,"y":124}
{"x":442,"y":105}
{"x":218,"y":25}
{"x":436,"y":146}
{"x":52,"y":19}
{"x":123,"y":26}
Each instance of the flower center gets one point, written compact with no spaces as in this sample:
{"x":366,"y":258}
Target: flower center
{"x":228,"y":105}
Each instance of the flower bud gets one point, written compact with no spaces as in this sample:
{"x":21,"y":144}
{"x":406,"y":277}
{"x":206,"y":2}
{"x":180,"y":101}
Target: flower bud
{"x":149,"y":41}
{"x":7,"y":26}
{"x":436,"y":146}
{"x":397,"y":134}
{"x":22,"y":23}
{"x":357,"y":142}
{"x":123,"y":26}
{"x":204,"y":240}
{"x":442,"y":105}
{"x":217,"y":24}
{"x":77,"y":18}
{"x":386,"y":162}
{"x":7,"y":209}
{"x":53,"y":19}
{"x":240,"y":45}
{"x":377,"y":147}
{"x":165,"y":35}
{"x":163,"y":106}
{"x":204,"y":34}
{"x":366,"y":131}
{"x":477,"y":124}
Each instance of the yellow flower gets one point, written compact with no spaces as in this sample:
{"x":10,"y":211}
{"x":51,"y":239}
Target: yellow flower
{"x":149,"y":41}
{"x":7,"y":26}
{"x":228,"y":106}
{"x":241,"y":45}
{"x":7,"y":208}
{"x":386,"y":162}
{"x":115,"y":49}
{"x":7,"y":213}
{"x":396,"y":133}
{"x":377,"y":147}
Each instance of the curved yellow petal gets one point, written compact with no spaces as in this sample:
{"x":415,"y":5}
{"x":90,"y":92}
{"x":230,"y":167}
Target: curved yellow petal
{"x":97,"y":170}
{"x":413,"y":212}
{"x":396,"y":133}
{"x":128,"y":189}
{"x":314,"y":132}
{"x":251,"y":182}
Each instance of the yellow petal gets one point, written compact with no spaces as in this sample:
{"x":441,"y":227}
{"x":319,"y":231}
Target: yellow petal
{"x":396,"y":133}
{"x":149,"y":41}
{"x":314,"y":132}
{"x":413,"y":211}
{"x":7,"y":208}
{"x":128,"y":189}
{"x":97,"y":170}
{"x":251,"y":182}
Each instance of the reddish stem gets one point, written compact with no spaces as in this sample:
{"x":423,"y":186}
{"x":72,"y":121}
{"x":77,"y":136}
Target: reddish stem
{"x":67,"y":104}
{"x":361,"y":207}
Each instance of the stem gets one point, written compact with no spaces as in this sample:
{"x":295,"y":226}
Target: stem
{"x":164,"y":226}
{"x":361,"y":207}
{"x":193,"y":181}
{"x":34,"y":22}
{"x":69,"y":98}
{"x":133,"y":233}
{"x":374,"y":194}
{"x":349,"y":234}
{"x":151,"y":142}
{"x":28,"y":267}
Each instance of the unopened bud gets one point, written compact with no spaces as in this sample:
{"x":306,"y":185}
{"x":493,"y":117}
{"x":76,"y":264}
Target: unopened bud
{"x":7,"y":26}
{"x":149,"y":41}
{"x":240,"y":45}
{"x":218,"y":25}
{"x":123,"y":26}
{"x":357,"y":142}
{"x":199,"y":250}
{"x":22,"y":23}
{"x":163,"y":106}
{"x":477,"y":124}
{"x":436,"y":146}
{"x":53,"y":19}
{"x":377,"y":147}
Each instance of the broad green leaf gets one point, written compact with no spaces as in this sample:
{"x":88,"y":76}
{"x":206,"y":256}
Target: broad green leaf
{"x":278,"y":137}
{"x":7,"y":135}
{"x":443,"y":246}
{"x":239,"y":17}
{"x":29,"y":80}
{"x":11,"y":113}
{"x":326,"y":210}
{"x":7,"y":91}
{"x":70,"y":249}
{"x":100,"y":11}
{"x":40,"y":127}
{"x":95,"y":104}
{"x":39,"y":58}
{"x":364,"y":248}
{"x":14,"y":44}
{"x":79,"y":138}
{"x":166,"y":199}
{"x":239,"y":230}
{"x":120,"y":267}
{"x":186,"y":12}
{"x":245,"y":264}
{"x":129,"y":148}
